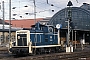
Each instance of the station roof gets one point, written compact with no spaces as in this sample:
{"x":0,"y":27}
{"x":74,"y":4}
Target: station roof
{"x":80,"y":18}
{"x":23,"y":23}
{"x":1,"y":22}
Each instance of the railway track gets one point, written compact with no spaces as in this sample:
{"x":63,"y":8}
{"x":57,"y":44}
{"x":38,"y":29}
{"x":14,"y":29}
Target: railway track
{"x":78,"y":55}
{"x":55,"y":56}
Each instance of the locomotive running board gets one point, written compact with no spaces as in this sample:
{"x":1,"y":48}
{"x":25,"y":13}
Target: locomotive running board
{"x":45,"y":46}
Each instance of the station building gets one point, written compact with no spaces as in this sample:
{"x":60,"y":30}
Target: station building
{"x":4,"y":32}
{"x":80,"y":26}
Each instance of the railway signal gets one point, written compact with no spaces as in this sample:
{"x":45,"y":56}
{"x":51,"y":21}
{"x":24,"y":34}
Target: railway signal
{"x":69,"y":20}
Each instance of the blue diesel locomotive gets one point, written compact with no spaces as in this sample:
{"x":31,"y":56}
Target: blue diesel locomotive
{"x":39,"y":39}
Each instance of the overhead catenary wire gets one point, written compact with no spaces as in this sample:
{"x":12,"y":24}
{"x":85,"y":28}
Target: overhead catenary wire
{"x":31,"y":13}
{"x":15,"y":11}
{"x":38,"y":3}
{"x":77,"y":1}
{"x":47,"y":1}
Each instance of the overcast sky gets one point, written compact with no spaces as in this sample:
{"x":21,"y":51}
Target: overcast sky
{"x":42,"y":8}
